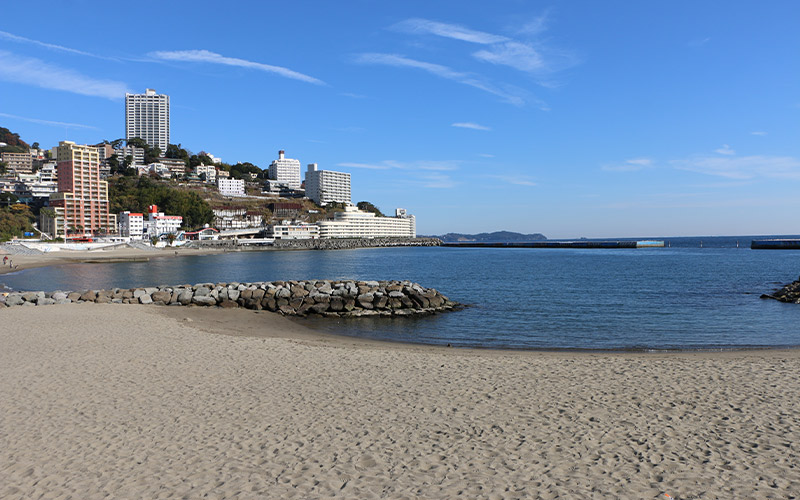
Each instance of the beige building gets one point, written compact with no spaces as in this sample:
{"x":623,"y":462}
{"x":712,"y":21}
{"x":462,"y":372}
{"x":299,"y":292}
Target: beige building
{"x":81,"y":203}
{"x":19,"y":163}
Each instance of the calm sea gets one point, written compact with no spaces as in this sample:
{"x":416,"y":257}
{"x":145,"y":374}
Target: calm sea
{"x":699,"y":293}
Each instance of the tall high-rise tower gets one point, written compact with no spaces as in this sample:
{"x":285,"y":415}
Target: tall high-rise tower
{"x":147,"y":117}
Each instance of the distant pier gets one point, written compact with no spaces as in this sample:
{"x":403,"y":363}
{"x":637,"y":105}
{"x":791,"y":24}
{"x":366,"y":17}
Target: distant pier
{"x":775,"y":244}
{"x":561,"y":244}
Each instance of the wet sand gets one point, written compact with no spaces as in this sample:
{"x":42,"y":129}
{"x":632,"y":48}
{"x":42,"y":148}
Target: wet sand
{"x":175,"y":402}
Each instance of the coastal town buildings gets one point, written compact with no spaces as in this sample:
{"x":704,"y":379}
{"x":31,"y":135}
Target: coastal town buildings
{"x":80,"y":206}
{"x":158,"y":224}
{"x":236,"y":218}
{"x":327,"y":186}
{"x":147,"y":117}
{"x":136,"y":155}
{"x":230,"y":187}
{"x":288,"y":230}
{"x":354,"y":223}
{"x":285,"y":170}
{"x":131,"y":225}
{"x":207,"y":173}
{"x":20,"y":163}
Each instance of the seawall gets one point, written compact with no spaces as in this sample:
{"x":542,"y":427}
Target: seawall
{"x":351,"y":243}
{"x":348,"y":298}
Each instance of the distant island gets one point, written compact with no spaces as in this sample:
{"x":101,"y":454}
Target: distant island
{"x":495,"y":237}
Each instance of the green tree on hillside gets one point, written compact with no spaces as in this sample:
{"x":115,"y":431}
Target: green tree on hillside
{"x":15,"y":221}
{"x":136,"y":194}
{"x":369,"y":207}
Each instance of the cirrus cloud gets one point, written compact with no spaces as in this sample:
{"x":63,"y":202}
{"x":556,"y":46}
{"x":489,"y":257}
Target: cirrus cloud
{"x":207,"y":56}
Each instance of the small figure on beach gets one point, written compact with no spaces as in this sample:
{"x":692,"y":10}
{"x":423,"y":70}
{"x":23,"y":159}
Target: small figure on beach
{"x":5,"y":260}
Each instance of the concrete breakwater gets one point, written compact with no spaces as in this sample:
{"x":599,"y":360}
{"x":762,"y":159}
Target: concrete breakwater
{"x":350,"y":243}
{"x":291,"y":298}
{"x":789,"y":293}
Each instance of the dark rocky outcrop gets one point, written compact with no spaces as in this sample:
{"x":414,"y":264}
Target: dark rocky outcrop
{"x":789,"y":293}
{"x":292,"y":298}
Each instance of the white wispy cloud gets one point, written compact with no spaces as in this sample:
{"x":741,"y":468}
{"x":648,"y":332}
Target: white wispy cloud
{"x":524,"y":55}
{"x":454,"y":31}
{"x":32,"y":71}
{"x":21,"y":39}
{"x":206,"y":56}
{"x":486,"y":155}
{"x":699,"y":42}
{"x":440,"y":71}
{"x":368,"y":166}
{"x":437,"y":181}
{"x":758,"y":132}
{"x":631,"y":165}
{"x":725,"y":150}
{"x":470,"y":125}
{"x":46,"y":122}
{"x":419,"y":165}
{"x":516,"y":180}
{"x":517,"y":55}
{"x":742,"y":167}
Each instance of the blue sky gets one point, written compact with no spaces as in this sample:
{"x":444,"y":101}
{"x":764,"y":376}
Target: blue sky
{"x":569,"y":118}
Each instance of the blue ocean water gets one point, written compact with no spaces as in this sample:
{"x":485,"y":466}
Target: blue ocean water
{"x":685,"y":296}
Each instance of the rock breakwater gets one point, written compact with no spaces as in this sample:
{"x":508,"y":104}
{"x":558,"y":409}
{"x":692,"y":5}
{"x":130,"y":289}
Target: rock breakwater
{"x":350,"y":243}
{"x":291,"y":298}
{"x":789,"y":293}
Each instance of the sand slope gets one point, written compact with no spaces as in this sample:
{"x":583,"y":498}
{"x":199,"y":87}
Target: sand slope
{"x":127,"y":402}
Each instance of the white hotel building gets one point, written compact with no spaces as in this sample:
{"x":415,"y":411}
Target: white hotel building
{"x":327,"y":186}
{"x":147,"y":117}
{"x":285,"y":170}
{"x":353,"y":223}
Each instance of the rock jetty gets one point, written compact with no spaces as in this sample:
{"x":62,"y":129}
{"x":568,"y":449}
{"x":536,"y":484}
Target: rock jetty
{"x":290,"y":298}
{"x":789,"y":293}
{"x":350,"y":243}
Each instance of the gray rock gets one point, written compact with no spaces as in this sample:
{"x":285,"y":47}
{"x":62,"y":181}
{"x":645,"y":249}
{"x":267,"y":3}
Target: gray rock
{"x":283,"y":293}
{"x":186,"y":297}
{"x":14,"y":299}
{"x":233,"y":294}
{"x":202,"y":292}
{"x":139,"y":292}
{"x":59,"y":295}
{"x":204,"y":300}
{"x":145,"y":299}
{"x":365,"y":300}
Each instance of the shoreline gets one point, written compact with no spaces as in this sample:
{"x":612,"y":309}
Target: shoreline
{"x":187,"y":402}
{"x":64,"y":257}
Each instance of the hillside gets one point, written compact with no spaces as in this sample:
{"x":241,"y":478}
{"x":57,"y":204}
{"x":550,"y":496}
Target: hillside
{"x":495,"y":237}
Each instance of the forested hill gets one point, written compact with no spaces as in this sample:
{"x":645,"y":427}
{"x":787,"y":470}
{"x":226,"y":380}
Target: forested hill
{"x":495,"y":237}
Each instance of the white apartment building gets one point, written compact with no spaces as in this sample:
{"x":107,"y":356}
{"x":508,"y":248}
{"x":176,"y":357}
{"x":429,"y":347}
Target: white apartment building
{"x":147,"y":117}
{"x":230,"y":187}
{"x":285,"y":170}
{"x":326,"y":186}
{"x":209,"y":171}
{"x":131,"y":225}
{"x":354,"y":223}
{"x":136,"y":154}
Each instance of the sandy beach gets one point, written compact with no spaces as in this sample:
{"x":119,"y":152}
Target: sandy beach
{"x":110,"y":255}
{"x":157,"y":402}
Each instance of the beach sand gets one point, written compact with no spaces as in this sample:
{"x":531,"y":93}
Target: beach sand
{"x":110,"y":255}
{"x":154,"y":402}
